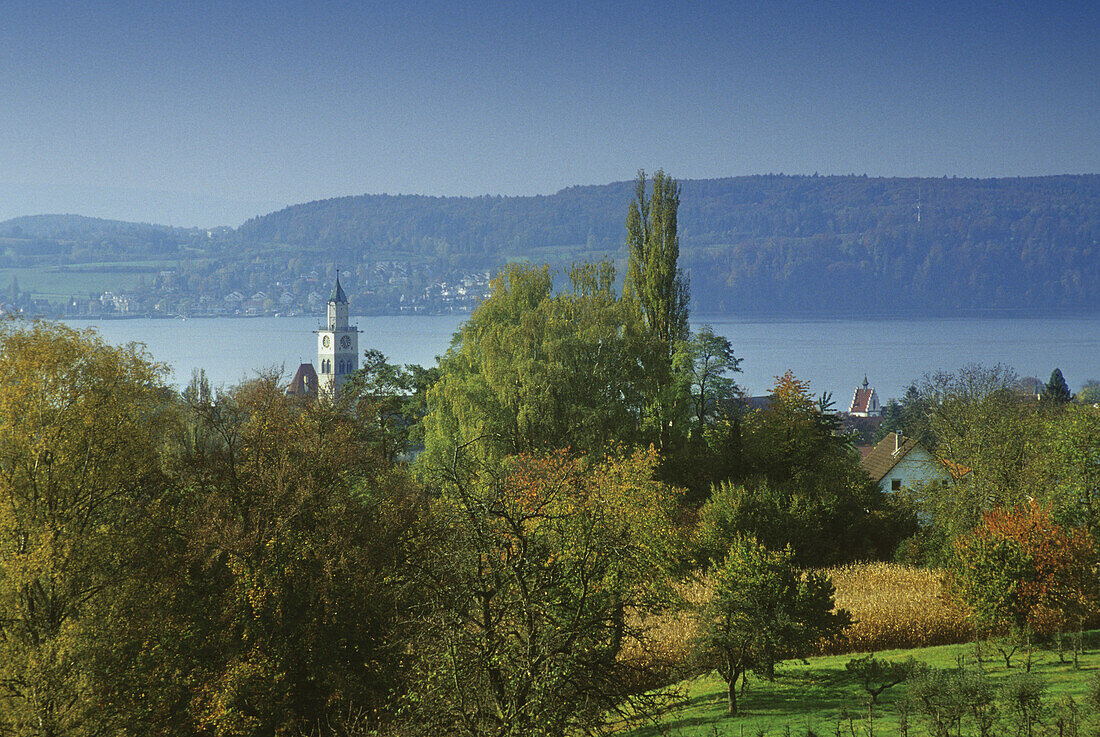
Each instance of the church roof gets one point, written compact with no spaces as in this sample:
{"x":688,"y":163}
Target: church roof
{"x":338,"y":293}
{"x":861,"y":402}
{"x":304,"y":383}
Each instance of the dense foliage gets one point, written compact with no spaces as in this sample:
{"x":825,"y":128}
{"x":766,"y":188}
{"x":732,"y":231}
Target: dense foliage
{"x":542,"y":572}
{"x":762,"y":610}
{"x":1020,"y":568}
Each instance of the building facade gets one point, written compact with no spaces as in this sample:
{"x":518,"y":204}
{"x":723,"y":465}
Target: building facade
{"x":337,"y":345}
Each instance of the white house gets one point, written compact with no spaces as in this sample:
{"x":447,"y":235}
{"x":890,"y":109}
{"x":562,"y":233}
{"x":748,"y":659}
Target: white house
{"x":897,"y":463}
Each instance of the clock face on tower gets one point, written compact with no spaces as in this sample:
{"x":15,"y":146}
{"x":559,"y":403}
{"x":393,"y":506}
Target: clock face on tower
{"x":345,"y":342}
{"x":326,"y":341}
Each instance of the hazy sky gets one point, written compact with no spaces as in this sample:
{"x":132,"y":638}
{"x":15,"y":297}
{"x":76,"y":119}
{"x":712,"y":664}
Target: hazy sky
{"x":209,"y":111}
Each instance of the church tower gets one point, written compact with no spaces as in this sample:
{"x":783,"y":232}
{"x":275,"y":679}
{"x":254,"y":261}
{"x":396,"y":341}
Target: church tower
{"x":337,"y":344}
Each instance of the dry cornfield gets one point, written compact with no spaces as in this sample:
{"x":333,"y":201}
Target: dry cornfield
{"x":894,"y":606}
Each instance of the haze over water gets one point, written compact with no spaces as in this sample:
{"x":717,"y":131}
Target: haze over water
{"x":832,"y":354}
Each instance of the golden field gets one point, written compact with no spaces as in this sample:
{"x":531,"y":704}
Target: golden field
{"x":894,"y":606}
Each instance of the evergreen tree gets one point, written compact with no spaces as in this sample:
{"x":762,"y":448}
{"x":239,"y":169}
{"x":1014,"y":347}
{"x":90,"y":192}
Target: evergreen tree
{"x":1057,"y":390}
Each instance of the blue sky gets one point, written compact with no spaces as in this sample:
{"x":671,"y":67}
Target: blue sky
{"x":203,"y":113}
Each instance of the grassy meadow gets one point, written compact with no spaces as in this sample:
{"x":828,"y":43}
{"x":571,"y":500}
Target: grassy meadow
{"x":820,"y":698}
{"x":898,"y":613}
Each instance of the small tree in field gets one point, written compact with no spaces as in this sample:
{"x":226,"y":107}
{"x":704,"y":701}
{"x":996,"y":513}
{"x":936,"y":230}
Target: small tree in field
{"x":1022,"y":571}
{"x":762,"y":610}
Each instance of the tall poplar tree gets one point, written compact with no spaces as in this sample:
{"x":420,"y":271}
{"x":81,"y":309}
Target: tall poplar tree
{"x":654,"y":281}
{"x":657,"y":290}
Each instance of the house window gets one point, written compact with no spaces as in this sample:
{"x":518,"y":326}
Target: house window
{"x":895,"y":484}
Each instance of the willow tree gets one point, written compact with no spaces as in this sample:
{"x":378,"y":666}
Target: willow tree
{"x":534,"y":369}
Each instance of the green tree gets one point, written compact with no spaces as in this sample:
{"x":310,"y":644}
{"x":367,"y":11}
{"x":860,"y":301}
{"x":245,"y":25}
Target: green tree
{"x":657,"y":291}
{"x":1056,"y":389}
{"x":81,"y":425}
{"x":1069,"y":458}
{"x":539,"y":577}
{"x":1090,"y":392}
{"x":875,"y":675}
{"x":801,"y":483}
{"x":533,"y":370}
{"x":762,"y":610}
{"x":391,"y":401}
{"x":654,"y":279}
{"x":982,"y":430}
{"x":707,"y":361}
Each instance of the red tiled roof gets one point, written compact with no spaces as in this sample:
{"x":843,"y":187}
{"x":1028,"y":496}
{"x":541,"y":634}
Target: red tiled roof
{"x":862,"y":399}
{"x":304,"y":383}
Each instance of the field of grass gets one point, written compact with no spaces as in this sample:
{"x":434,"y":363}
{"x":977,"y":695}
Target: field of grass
{"x":819,"y":698}
{"x":57,"y":283}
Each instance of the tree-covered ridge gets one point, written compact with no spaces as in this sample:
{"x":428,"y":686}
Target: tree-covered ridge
{"x":749,"y":245}
{"x":766,"y":243}
{"x":81,"y":227}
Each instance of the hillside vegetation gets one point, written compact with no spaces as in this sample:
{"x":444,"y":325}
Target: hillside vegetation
{"x":765,"y":243}
{"x":770,"y":244}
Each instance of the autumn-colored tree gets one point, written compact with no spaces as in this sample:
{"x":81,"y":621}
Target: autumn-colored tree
{"x":792,"y":436}
{"x":266,"y":602}
{"x":539,"y":577}
{"x":1020,"y":569}
{"x":81,"y":425}
{"x":302,"y":531}
{"x":800,"y":483}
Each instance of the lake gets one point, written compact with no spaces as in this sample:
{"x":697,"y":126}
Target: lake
{"x":832,"y":354}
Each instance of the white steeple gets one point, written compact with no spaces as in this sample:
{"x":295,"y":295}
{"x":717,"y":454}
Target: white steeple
{"x":337,"y":344}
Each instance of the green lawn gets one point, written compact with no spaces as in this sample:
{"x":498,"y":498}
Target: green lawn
{"x":57,"y":283}
{"x":821,"y":699}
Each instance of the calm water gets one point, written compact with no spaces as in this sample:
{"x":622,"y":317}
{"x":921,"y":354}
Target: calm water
{"x":833,"y":354}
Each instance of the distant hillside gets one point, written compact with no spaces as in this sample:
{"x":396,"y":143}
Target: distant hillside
{"x":751,"y":245}
{"x":762,"y":243}
{"x":81,"y":228}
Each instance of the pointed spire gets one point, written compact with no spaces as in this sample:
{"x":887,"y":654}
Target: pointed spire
{"x":338,"y":291}
{"x":865,"y":381}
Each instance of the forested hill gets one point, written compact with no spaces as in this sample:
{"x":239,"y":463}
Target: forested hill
{"x":82,"y":229}
{"x":763,"y":243}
